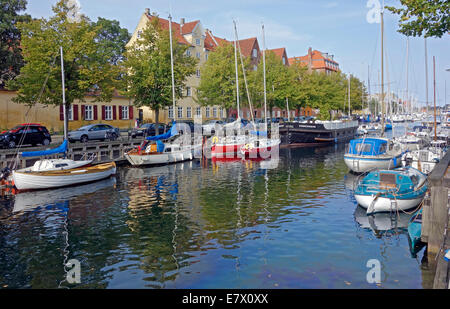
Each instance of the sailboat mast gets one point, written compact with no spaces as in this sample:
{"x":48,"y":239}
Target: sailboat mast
{"x":171,"y":65}
{"x":64,"y":97}
{"x":237,"y":73}
{"x":382,"y":74}
{"x":407,"y":74}
{"x":264,"y":72}
{"x":434,"y":86}
{"x":349,"y":112}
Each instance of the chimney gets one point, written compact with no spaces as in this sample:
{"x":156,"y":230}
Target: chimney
{"x":310,"y":59}
{"x":182,"y":22}
{"x":147,"y":11}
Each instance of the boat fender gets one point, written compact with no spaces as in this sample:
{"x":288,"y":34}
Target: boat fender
{"x":215,"y":140}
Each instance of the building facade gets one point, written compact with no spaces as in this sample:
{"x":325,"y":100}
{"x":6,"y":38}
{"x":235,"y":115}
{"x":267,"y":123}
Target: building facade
{"x":317,"y":61}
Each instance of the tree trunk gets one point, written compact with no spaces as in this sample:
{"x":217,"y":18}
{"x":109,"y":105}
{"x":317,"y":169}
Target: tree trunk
{"x":157,"y":122}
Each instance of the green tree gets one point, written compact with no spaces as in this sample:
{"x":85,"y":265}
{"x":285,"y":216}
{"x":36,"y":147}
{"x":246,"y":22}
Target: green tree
{"x":428,"y":17}
{"x":280,"y":83}
{"x":85,"y":70}
{"x":11,"y":60}
{"x":149,"y":78}
{"x":112,"y":39}
{"x":218,"y":83}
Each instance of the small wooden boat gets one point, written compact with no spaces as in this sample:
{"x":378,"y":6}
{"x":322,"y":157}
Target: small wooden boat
{"x":392,"y":190}
{"x":30,"y":180}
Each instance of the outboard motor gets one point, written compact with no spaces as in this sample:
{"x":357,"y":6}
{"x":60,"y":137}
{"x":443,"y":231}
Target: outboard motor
{"x":4,"y":173}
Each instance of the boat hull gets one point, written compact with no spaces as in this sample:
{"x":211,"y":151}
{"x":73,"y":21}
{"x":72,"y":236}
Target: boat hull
{"x":43,"y":180}
{"x":226,"y":150}
{"x":384,"y":204}
{"x":363,"y":164}
{"x":160,"y":158}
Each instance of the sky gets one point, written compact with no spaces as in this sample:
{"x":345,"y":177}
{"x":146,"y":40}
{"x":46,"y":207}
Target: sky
{"x":338,"y":27}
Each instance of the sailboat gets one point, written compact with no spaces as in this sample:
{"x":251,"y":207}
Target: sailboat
{"x":261,"y":142}
{"x":366,"y":154}
{"x":175,"y":148}
{"x":230,"y":146}
{"x":55,"y":173}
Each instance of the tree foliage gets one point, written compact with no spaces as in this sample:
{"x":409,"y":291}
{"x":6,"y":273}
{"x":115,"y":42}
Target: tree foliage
{"x":11,"y":60}
{"x":428,"y":17}
{"x":149,"y":78}
{"x":86,"y":66}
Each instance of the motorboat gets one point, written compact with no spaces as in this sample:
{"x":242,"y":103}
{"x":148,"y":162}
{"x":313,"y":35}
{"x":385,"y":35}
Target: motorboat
{"x":370,"y":153}
{"x":426,"y":159}
{"x":392,"y":190}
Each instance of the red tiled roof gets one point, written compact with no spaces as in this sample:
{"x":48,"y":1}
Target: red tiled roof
{"x":189,"y":27}
{"x":247,"y":46}
{"x":280,"y":53}
{"x":176,"y":30}
{"x":317,"y":59}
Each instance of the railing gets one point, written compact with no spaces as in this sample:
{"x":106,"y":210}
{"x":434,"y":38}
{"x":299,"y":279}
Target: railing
{"x":101,"y":151}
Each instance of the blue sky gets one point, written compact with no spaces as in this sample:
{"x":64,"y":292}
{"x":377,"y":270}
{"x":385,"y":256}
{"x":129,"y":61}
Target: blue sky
{"x":339,"y":27}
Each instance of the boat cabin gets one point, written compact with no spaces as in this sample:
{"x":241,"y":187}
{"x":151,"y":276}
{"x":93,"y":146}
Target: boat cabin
{"x":368,"y":147}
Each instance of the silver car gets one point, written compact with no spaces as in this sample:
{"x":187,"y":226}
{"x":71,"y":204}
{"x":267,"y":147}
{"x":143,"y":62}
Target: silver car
{"x":94,"y":132}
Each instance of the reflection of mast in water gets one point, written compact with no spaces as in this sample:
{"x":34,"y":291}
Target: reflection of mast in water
{"x":174,"y":232}
{"x":239,"y":221}
{"x":66,"y":251}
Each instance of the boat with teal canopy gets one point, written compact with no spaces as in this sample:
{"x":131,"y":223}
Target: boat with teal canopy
{"x":392,"y":190}
{"x":415,"y":233}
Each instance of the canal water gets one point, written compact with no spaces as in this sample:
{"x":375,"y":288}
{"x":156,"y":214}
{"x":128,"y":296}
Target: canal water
{"x":291,"y":223}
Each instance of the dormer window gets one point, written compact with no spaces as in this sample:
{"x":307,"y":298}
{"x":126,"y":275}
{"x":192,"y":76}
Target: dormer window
{"x":255,"y":53}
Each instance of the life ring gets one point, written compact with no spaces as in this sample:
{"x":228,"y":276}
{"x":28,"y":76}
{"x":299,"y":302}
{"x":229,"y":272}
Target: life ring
{"x":215,"y":140}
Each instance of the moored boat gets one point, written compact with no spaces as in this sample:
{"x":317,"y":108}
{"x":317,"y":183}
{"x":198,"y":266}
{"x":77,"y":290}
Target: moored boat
{"x":391,"y":190}
{"x":29,"y":180}
{"x":367,"y":154}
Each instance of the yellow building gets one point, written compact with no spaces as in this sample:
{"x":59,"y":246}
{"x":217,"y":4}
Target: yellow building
{"x":200,"y":42}
{"x":119,"y":113}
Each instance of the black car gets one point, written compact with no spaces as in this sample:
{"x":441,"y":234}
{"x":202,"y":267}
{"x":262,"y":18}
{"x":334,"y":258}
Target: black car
{"x":25,"y":134}
{"x":148,"y":129}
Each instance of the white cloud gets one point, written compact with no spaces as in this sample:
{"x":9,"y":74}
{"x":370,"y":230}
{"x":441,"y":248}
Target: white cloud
{"x":330,"y":5}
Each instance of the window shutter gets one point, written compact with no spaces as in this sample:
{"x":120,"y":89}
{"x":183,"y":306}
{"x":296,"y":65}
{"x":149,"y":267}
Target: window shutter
{"x":95,"y":112}
{"x":120,"y":112}
{"x":103,"y":112}
{"x":114,"y":113}
{"x":61,"y":113}
{"x":130,"y":112}
{"x":83,"y":112}
{"x":75,"y":112}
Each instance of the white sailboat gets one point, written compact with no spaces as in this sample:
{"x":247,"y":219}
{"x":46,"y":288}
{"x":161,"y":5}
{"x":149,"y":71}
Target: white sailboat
{"x":175,"y":148}
{"x":55,"y":173}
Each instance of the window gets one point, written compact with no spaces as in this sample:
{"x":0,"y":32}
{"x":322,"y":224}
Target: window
{"x":139,"y":34}
{"x":188,"y":91}
{"x":198,"y":111}
{"x":206,"y":56}
{"x":284,"y":61}
{"x":89,"y":112}
{"x":198,"y":73}
{"x":171,"y":112}
{"x":108,"y":113}
{"x":197,"y":42}
{"x":189,"y":112}
{"x":188,"y":53}
{"x":221,"y":113}
{"x":125,"y":112}
{"x":255,"y":53}
{"x":207,"y":113}
{"x":215,"y":112}
{"x":70,"y":113}
{"x":198,"y":55}
{"x":180,"y":112}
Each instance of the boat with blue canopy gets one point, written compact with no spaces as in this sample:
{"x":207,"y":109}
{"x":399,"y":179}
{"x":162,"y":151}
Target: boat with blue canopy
{"x":370,"y":153}
{"x":392,"y":190}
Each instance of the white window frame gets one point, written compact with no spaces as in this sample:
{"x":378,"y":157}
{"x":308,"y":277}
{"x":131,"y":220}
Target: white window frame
{"x":70,"y":113}
{"x":180,"y":112}
{"x":125,"y":112}
{"x":198,"y":111}
{"x":188,"y":53}
{"x":198,"y":73}
{"x":188,"y":112}
{"x":108,"y":112}
{"x":198,"y":42}
{"x":188,"y":91}
{"x":89,"y":112}
{"x":255,"y":53}
{"x":207,"y":112}
{"x":198,"y":55}
{"x":171,"y":112}
{"x":221,"y":113}
{"x":214,"y":112}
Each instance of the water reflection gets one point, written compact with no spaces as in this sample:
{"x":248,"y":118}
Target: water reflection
{"x":286,"y":223}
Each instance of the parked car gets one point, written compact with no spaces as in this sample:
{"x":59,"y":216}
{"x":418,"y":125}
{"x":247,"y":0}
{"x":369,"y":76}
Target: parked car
{"x":94,"y":132}
{"x":188,"y":122}
{"x":148,"y":129}
{"x":25,"y":134}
